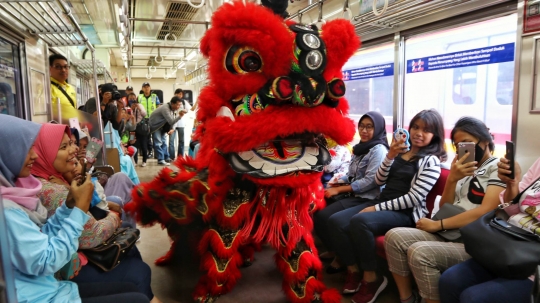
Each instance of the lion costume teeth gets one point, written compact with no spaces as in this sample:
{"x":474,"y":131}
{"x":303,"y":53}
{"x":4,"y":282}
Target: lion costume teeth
{"x":275,"y":87}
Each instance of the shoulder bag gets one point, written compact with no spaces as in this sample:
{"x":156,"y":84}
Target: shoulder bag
{"x":110,"y":253}
{"x":64,"y":92}
{"x":447,"y":211}
{"x":502,"y":248}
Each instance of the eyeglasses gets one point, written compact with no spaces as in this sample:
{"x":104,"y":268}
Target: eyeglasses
{"x":60,"y":67}
{"x":368,"y":127}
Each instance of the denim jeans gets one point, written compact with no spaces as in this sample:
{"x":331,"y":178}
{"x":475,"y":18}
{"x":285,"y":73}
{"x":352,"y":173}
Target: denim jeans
{"x":160,"y":144}
{"x":172,"y":140}
{"x":110,"y":292}
{"x":470,"y":282}
{"x":353,"y":233}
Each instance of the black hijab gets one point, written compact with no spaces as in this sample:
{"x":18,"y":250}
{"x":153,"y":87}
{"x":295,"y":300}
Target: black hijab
{"x":379,"y":134}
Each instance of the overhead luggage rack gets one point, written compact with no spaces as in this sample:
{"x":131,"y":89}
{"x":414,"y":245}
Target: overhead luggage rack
{"x":51,"y":20}
{"x":86,"y":69}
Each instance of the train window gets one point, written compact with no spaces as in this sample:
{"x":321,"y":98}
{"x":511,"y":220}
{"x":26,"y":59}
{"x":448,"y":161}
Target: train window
{"x":467,"y":70}
{"x":369,"y":79}
{"x":9,"y":79}
{"x":464,"y":85}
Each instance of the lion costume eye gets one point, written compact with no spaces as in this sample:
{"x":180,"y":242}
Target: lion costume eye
{"x":242,"y":60}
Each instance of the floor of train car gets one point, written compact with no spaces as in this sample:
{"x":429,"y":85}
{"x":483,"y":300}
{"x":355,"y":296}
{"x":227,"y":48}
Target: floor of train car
{"x":260,"y":283}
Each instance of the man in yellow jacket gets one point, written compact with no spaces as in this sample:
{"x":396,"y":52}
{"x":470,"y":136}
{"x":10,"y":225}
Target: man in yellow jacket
{"x":61,"y":90}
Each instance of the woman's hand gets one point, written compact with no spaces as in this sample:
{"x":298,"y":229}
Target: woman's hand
{"x":428,"y":225}
{"x":368,"y":209}
{"x":331,"y":191}
{"x":396,"y":148}
{"x":114,"y":207}
{"x":460,"y":170}
{"x":82,"y":194}
{"x":504,"y":171}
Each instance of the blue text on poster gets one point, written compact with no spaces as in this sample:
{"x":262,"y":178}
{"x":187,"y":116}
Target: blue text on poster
{"x":479,"y":56}
{"x":368,"y":72}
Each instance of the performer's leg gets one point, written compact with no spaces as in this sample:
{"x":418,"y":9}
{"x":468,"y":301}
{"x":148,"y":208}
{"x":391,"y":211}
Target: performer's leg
{"x":302,"y":273}
{"x":220,"y":259}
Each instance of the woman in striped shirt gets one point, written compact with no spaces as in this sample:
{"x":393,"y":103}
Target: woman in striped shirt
{"x":473,"y":186}
{"x":408,"y":176}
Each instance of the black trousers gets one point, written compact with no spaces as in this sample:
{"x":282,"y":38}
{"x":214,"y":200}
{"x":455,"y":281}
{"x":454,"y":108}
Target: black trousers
{"x":111,"y":292}
{"x":142,"y":145}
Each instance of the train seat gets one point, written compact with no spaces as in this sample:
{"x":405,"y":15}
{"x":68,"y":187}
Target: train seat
{"x":437,"y":190}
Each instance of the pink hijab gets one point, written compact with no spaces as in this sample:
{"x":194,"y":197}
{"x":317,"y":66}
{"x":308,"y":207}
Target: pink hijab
{"x":46,"y":146}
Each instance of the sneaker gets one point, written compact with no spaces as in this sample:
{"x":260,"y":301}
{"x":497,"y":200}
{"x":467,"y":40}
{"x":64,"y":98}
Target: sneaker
{"x":352,"y":283}
{"x":143,"y":164}
{"x":168,"y":160}
{"x":162,"y":162}
{"x":369,"y":292}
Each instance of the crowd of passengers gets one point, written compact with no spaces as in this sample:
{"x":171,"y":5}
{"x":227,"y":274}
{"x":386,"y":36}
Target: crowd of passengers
{"x":47,"y":205}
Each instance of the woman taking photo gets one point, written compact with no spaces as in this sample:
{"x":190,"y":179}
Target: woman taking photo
{"x":57,"y":155}
{"x":39,"y":247}
{"x":408,"y":176}
{"x":474,"y":187}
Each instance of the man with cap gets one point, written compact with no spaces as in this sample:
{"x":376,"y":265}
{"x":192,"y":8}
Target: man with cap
{"x":60,"y":89}
{"x":111,"y":110}
{"x":149,"y":102}
{"x":129,"y":90}
{"x":178,"y":128}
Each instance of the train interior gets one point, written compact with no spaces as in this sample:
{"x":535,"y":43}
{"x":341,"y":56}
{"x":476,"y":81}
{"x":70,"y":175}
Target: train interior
{"x":460,"y":57}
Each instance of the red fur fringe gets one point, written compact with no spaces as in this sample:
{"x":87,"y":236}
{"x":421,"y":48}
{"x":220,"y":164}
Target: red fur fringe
{"x":230,"y":274}
{"x":313,"y":286}
{"x":212,"y":241}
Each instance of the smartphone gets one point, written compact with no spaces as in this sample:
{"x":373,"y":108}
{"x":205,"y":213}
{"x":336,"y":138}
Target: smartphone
{"x":463,"y":148}
{"x":74,"y":123}
{"x":510,"y":151}
{"x":131,"y":135}
{"x":129,"y":111}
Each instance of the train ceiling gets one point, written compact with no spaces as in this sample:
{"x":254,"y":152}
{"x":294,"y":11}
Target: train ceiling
{"x":165,"y":34}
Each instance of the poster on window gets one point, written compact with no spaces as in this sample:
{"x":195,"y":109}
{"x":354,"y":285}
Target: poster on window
{"x":37,"y":91}
{"x":531,"y":18}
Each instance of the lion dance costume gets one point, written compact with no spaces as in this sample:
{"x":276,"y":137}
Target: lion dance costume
{"x":275,"y":90}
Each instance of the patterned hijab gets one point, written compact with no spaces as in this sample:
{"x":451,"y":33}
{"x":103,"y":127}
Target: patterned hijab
{"x":46,"y":146}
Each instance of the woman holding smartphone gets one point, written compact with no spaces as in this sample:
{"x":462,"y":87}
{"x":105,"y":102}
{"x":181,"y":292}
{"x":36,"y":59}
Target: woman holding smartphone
{"x":360,"y":180}
{"x":475,"y":187}
{"x":469,"y":281}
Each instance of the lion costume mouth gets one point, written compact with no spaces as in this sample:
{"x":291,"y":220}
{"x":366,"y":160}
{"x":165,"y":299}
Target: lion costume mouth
{"x":280,"y":157}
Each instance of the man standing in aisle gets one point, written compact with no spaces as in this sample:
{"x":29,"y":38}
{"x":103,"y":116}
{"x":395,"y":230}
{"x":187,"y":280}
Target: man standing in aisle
{"x":129,"y":90}
{"x":161,"y":122}
{"x":178,"y":128}
{"x":60,"y":89}
{"x":149,"y":102}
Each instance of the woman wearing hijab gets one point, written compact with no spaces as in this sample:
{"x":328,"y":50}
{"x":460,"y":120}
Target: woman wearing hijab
{"x":360,"y":180}
{"x":57,"y":154}
{"x":40,"y":247}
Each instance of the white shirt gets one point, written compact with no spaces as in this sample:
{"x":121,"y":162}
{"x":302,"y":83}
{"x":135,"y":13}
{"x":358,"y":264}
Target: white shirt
{"x":180,"y":122}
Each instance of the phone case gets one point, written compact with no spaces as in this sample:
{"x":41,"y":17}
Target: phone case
{"x":402,"y":133}
{"x":510,"y":157}
{"x":93,"y":149}
{"x":74,"y":123}
{"x":463,"y":147}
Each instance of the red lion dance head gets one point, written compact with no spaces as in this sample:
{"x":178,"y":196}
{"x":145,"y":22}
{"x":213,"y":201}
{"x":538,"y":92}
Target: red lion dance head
{"x":275,"y":90}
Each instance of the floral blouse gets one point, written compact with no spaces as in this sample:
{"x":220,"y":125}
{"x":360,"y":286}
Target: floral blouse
{"x":53,"y":195}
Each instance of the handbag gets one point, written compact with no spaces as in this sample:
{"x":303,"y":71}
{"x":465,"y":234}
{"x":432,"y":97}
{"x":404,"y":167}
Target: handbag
{"x":446,"y":211}
{"x":502,"y":248}
{"x":143,"y":127}
{"x":110,"y":253}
